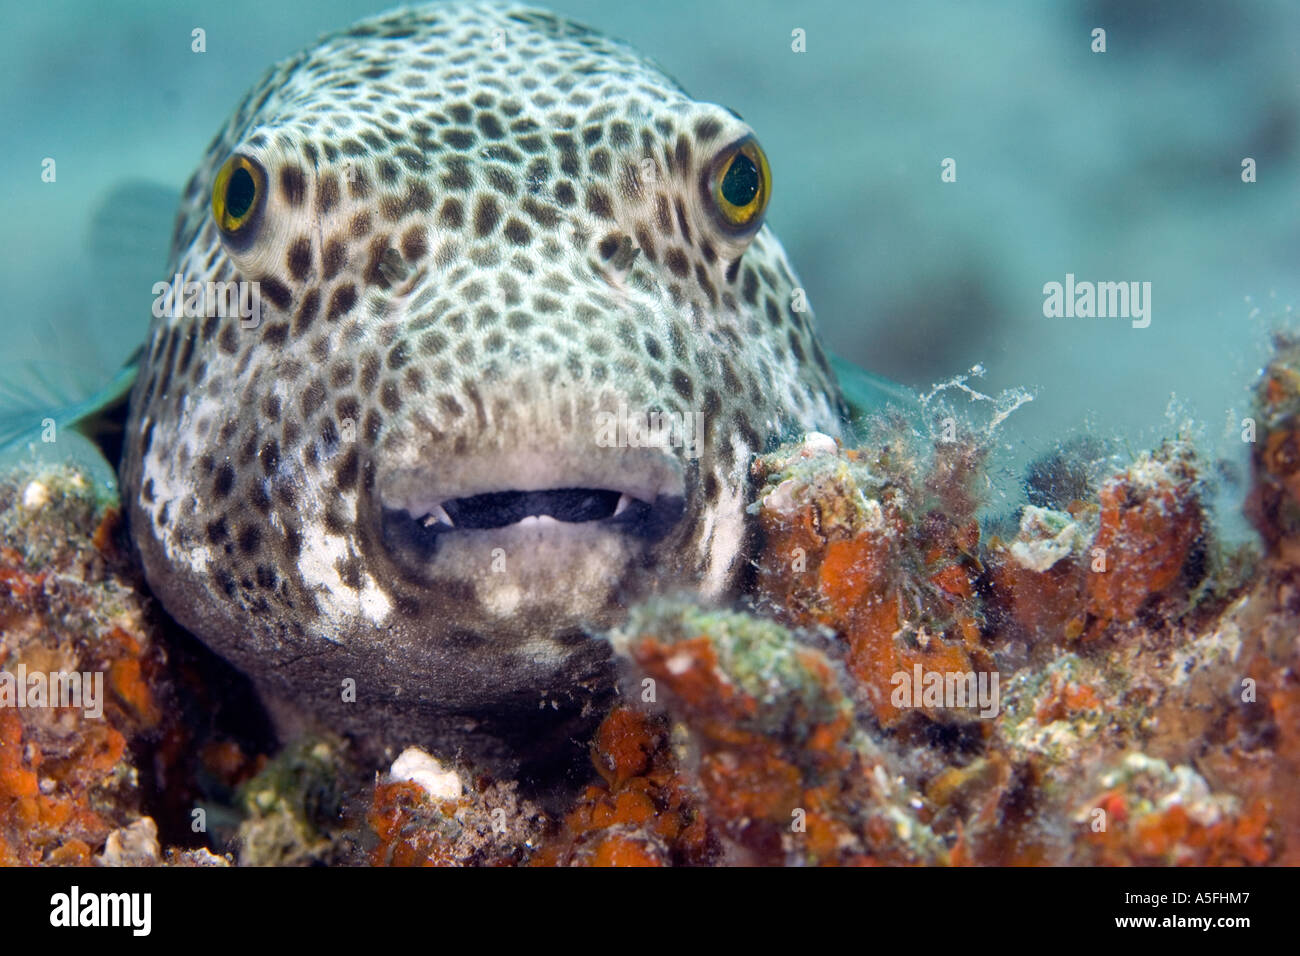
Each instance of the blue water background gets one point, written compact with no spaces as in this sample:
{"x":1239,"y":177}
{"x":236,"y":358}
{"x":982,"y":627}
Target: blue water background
{"x":1116,"y":166}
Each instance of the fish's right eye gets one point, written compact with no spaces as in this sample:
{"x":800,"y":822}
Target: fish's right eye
{"x":738,"y":185}
{"x":238,"y":196}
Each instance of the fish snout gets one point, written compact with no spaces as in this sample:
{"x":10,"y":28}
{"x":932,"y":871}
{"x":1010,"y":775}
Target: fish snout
{"x":556,"y":506}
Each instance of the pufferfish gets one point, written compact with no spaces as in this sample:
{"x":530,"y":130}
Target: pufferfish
{"x":491,"y":248}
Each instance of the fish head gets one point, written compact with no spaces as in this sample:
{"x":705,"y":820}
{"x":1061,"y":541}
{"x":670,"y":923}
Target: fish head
{"x":519,"y":329}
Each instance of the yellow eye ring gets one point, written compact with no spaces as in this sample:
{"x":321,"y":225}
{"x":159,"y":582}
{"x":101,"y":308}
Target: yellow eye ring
{"x":739,"y":185}
{"x":238,"y":195}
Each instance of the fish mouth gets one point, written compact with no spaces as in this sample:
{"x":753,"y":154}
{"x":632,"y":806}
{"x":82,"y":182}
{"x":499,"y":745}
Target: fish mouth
{"x":530,"y":498}
{"x":540,"y":509}
{"x":500,"y":509}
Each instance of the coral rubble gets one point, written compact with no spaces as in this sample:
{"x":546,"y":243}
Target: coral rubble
{"x":72,"y":626}
{"x":910,"y":680}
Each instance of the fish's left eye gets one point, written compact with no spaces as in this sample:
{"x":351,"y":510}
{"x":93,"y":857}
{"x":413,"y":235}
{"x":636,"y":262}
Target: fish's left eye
{"x":740,"y":183}
{"x":238,"y":195}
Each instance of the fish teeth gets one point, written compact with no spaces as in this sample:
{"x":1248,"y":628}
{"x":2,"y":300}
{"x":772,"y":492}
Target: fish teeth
{"x":624,"y":500}
{"x":438,"y":516}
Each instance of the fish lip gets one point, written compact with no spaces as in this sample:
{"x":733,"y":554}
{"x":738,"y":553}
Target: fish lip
{"x":421,"y":488}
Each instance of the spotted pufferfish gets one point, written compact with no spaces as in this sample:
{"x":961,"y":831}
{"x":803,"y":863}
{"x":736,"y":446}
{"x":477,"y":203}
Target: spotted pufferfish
{"x":479,"y":230}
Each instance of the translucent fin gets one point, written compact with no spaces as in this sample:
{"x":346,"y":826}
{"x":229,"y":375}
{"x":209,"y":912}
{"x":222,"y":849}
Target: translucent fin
{"x":39,"y":399}
{"x":86,"y":385}
{"x":866,"y":393}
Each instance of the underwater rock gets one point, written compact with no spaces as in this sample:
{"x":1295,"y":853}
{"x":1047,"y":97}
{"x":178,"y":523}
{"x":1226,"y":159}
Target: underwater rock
{"x":134,"y":845}
{"x":1274,"y":501}
{"x":880,"y":548}
{"x":762,"y":730}
{"x":418,"y":818}
{"x":1150,"y":524}
{"x":83,"y":676}
{"x":295,"y":807}
{"x":641,"y":812}
{"x":742,"y":750}
{"x":1076,"y":574}
{"x":1162,"y":815}
{"x":93,"y":706}
{"x":1109,"y":686}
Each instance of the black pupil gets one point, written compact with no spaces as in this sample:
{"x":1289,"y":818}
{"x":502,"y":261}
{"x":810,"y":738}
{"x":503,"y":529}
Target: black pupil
{"x":240,"y":192}
{"x":740,"y":184}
